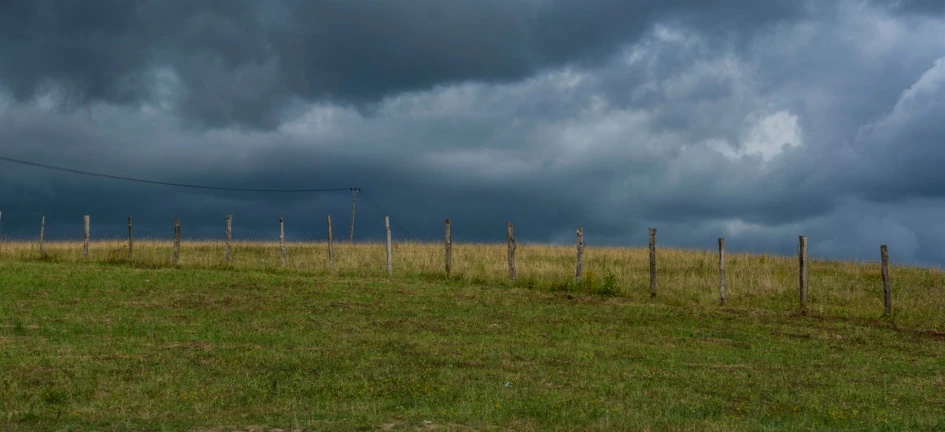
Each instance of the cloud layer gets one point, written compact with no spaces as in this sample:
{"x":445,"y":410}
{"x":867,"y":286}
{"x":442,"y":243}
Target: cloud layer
{"x":757,"y":121}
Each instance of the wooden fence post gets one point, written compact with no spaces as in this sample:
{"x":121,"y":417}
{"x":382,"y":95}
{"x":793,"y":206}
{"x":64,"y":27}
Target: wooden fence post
{"x":85,"y":245}
{"x":130,"y":240}
{"x":887,"y":296}
{"x":652,"y":262}
{"x":387,"y":228}
{"x":42,"y":229}
{"x":176,"y":240}
{"x":580,"y":254}
{"x":1,"y":235}
{"x":721,"y":271}
{"x":802,"y":261}
{"x":282,"y":240}
{"x":229,"y":232}
{"x":449,"y":247}
{"x":511,"y":236}
{"x":331,"y":249}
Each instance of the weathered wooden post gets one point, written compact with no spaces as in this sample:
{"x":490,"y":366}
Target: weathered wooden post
{"x":176,"y":240}
{"x":390,"y":270}
{"x":130,"y":240}
{"x":85,"y":244}
{"x":331,"y":249}
{"x":449,"y":247}
{"x":802,"y":261}
{"x":887,"y":296}
{"x":511,"y":236}
{"x":652,"y":262}
{"x":282,"y":240}
{"x":580,"y":254}
{"x":229,"y":231}
{"x":42,"y":229}
{"x":721,"y":271}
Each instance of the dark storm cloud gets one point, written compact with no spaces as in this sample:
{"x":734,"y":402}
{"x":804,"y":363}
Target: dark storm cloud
{"x":245,"y":62}
{"x":757,"y":121}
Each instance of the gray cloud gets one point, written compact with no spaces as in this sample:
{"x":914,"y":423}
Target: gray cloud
{"x":757,"y":121}
{"x":247,"y":63}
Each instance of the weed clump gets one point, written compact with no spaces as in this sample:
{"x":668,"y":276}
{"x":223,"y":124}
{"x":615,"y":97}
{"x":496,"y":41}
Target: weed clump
{"x":606,"y":287}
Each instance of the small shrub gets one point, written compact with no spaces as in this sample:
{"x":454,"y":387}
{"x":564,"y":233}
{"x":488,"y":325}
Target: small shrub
{"x":608,"y":287}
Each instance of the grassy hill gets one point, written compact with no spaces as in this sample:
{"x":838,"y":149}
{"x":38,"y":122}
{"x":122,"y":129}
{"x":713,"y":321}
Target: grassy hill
{"x":112,"y":344}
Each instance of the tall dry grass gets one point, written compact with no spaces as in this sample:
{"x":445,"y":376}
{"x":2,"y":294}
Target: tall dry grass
{"x":685,"y":277}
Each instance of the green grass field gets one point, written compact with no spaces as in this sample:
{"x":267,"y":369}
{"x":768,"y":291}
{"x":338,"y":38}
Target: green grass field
{"x":110,"y":344}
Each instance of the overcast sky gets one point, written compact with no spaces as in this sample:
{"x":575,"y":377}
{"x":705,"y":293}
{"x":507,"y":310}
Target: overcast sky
{"x":756,"y":121}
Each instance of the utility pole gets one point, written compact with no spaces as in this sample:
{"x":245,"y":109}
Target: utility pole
{"x":354,"y":199}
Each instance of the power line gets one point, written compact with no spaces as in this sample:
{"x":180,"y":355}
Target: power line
{"x":114,"y":177}
{"x":404,"y":231}
{"x":370,"y":201}
{"x":376,"y":205}
{"x":380,"y":211}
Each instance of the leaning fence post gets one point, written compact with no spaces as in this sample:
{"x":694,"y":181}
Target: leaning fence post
{"x":42,"y":229}
{"x":282,"y":240}
{"x":652,"y":262}
{"x":387,"y":228}
{"x":580,"y":254}
{"x":887,"y":296}
{"x":176,"y":240}
{"x":449,"y":246}
{"x":511,"y":237}
{"x":802,"y":261}
{"x":229,"y":231}
{"x":721,"y":271}
{"x":85,"y":244}
{"x":331,"y":249}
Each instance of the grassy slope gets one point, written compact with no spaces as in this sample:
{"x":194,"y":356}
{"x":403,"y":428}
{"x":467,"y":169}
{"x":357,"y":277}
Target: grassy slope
{"x":686,"y":278}
{"x":109,"y":347}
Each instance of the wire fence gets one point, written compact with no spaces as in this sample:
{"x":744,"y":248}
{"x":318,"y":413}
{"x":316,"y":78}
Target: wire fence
{"x":62,"y":232}
{"x":368,"y":231}
{"x":65,"y":232}
{"x":482,"y":264}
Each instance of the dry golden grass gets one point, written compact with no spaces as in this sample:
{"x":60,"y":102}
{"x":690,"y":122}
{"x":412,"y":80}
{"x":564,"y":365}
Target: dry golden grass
{"x":685,"y":277}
